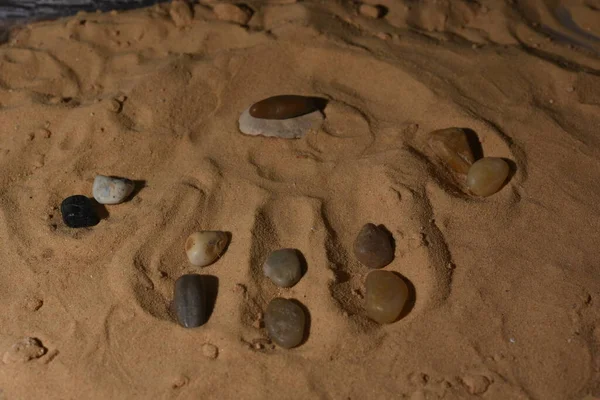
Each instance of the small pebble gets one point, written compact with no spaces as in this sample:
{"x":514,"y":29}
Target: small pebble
{"x":111,"y":190}
{"x":113,"y":105}
{"x":210,"y":351}
{"x":292,"y":128}
{"x":24,"y":350}
{"x":386,"y":296}
{"x":487,"y":176}
{"x":476,"y":384}
{"x":203,"y":248}
{"x":285,"y":322}
{"x":452,"y":146}
{"x":370,"y":11}
{"x":373,"y":246}
{"x":180,"y":12}
{"x":232,"y":13}
{"x":43,"y":132}
{"x":78,"y":212}
{"x":190,"y":301}
{"x":283,"y":267}
{"x":284,"y":107}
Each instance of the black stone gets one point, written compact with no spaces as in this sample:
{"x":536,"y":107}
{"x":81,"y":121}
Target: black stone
{"x":78,"y":212}
{"x":190,"y":301}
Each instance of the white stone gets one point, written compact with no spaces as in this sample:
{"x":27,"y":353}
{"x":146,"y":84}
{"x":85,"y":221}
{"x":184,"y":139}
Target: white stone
{"x":291,"y":128}
{"x":110,"y":190}
{"x":203,"y":248}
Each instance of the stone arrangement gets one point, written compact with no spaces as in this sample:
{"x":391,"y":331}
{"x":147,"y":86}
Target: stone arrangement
{"x":290,"y":117}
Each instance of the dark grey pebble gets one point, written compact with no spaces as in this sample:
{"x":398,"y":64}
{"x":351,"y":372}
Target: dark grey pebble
{"x":373,"y":246}
{"x":78,"y":212}
{"x":190,"y":301}
{"x":283,"y":267}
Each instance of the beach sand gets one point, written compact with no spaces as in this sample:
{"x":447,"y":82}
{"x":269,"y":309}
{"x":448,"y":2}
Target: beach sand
{"x":505,"y":288}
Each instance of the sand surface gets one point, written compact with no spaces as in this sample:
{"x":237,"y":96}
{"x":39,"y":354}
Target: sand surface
{"x":506,"y":288}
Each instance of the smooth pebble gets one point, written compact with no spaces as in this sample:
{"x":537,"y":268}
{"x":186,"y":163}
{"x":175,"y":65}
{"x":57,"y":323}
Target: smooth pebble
{"x":283,"y":267}
{"x":24,"y":350}
{"x":190,"y":301}
{"x":285,"y":322}
{"x":373,"y":246}
{"x":203,"y":248}
{"x":291,"y":128}
{"x":487,"y":176}
{"x":386,"y":296}
{"x":284,"y":107}
{"x":112,"y":190}
{"x":78,"y":212}
{"x":452,"y":146}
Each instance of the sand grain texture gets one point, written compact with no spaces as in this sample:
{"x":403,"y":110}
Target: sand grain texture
{"x":504,"y":289}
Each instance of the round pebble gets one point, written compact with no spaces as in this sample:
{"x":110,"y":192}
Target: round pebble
{"x":386,"y":296}
{"x":452,"y":146}
{"x":373,"y":246}
{"x":285,"y":322}
{"x":283,"y":267}
{"x":112,"y":190}
{"x":24,"y":350}
{"x":190,"y":301}
{"x":487,"y":176}
{"x":203,"y":248}
{"x":210,"y":351}
{"x":78,"y":212}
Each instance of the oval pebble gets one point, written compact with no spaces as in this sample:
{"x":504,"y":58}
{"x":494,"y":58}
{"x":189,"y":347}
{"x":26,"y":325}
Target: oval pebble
{"x":203,"y":248}
{"x":373,"y":246}
{"x":284,"y":107}
{"x":283,"y":267}
{"x":190,"y":301}
{"x":386,"y":296}
{"x":78,"y":212}
{"x":487,"y":175}
{"x":285,"y":322}
{"x":112,"y":190}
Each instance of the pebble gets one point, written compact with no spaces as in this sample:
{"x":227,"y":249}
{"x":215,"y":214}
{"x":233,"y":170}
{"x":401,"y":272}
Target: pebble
{"x":210,"y":351}
{"x":232,"y":13}
{"x":373,"y":246}
{"x":386,"y":296}
{"x":78,"y":212}
{"x":190,"y":301}
{"x":284,"y":107}
{"x":487,"y":176}
{"x":111,"y":190}
{"x":293,"y":128}
{"x":370,"y":11}
{"x":203,"y":248}
{"x":283,"y":267}
{"x":285,"y":322}
{"x":24,"y":350}
{"x":452,"y":146}
{"x":476,"y":384}
{"x":181,"y":13}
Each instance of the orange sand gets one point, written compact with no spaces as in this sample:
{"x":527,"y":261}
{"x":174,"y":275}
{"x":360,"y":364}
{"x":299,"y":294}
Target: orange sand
{"x":506,"y":287}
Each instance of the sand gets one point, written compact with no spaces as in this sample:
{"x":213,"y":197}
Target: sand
{"x":505,"y":288}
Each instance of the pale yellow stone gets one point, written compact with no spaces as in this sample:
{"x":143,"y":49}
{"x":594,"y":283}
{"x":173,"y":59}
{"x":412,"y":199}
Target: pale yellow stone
{"x":487,"y":175}
{"x":203,"y":248}
{"x":386,"y":296}
{"x":451,"y":145}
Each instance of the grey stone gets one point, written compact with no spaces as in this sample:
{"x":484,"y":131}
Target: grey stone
{"x":111,"y":190}
{"x":292,"y":128}
{"x":283,"y":267}
{"x":285,"y":322}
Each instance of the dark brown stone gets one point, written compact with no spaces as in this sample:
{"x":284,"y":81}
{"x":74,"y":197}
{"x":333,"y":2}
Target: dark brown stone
{"x":373,"y":246}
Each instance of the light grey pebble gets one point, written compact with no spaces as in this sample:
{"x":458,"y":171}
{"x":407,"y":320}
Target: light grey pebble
{"x":111,"y":190}
{"x":283,"y":267}
{"x":291,"y":128}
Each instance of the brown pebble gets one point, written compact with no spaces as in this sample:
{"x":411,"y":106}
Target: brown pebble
{"x":284,"y":107}
{"x":181,"y":13}
{"x":33,"y":304}
{"x":43,"y":132}
{"x":452,"y":146}
{"x":487,"y":176}
{"x":370,"y":11}
{"x":24,"y":350}
{"x":180,"y":382}
{"x":210,"y":351}
{"x":30,"y":136}
{"x":232,"y":13}
{"x":386,"y":296}
{"x":113,"y":105}
{"x":476,"y":384}
{"x":373,"y":246}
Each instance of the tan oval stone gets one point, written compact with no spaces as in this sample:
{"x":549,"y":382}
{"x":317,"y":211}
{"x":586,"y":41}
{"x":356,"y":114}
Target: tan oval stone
{"x":487,"y":176}
{"x":451,"y":145}
{"x":203,"y":248}
{"x":386,"y":296}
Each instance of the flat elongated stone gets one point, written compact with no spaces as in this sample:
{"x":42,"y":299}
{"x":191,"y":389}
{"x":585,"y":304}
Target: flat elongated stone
{"x":285,"y":322}
{"x":283,"y":267}
{"x":78,"y":212}
{"x":112,"y":190}
{"x":452,"y":146}
{"x":284,"y":107}
{"x":487,"y":176}
{"x":373,"y":246}
{"x":386,"y":296}
{"x":190,"y":301}
{"x":203,"y":248}
{"x":291,"y":128}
